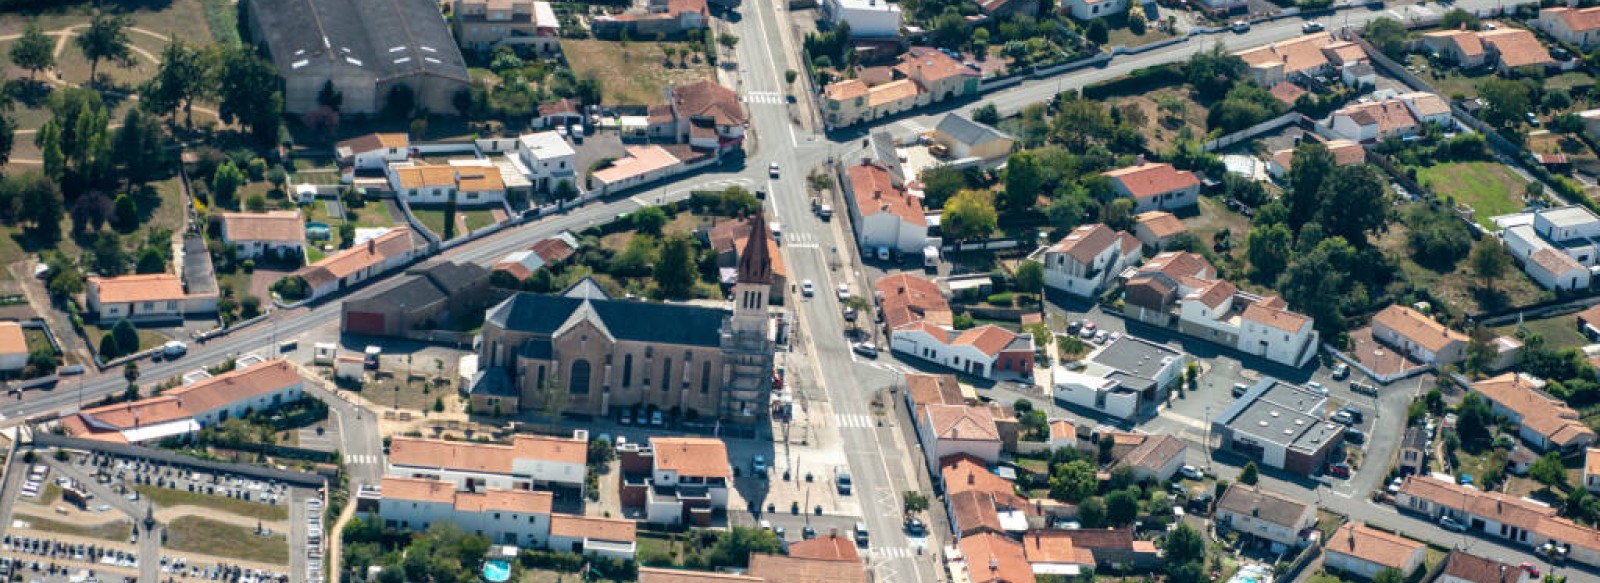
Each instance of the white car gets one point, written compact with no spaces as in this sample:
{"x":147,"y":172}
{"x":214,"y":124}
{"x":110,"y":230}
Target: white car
{"x":844,"y":291}
{"x":174,"y":349}
{"x":1192,"y":473}
{"x":806,"y":289}
{"x":772,"y":170}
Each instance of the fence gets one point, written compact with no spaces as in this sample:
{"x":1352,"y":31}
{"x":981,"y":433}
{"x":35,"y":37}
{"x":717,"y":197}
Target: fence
{"x":1251,"y":132}
{"x":988,"y":245}
{"x":1380,"y":378}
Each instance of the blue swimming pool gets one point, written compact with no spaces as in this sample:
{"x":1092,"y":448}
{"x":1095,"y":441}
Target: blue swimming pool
{"x":497,"y":571}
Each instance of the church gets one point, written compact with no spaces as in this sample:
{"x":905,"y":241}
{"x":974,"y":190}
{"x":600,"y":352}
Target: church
{"x":611,"y":355}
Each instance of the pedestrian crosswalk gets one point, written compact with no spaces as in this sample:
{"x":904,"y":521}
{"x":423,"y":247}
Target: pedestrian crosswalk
{"x":771,"y":97}
{"x":892,"y":552}
{"x":800,"y":240}
{"x":856,"y":421}
{"x":360,"y":459}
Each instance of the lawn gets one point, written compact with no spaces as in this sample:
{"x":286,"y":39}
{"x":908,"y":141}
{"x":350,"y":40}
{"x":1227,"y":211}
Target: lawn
{"x":219,"y":539}
{"x":147,"y":338}
{"x":374,"y":214}
{"x":1489,"y":187}
{"x":433,"y":219}
{"x":1449,"y":82}
{"x":1120,"y":35}
{"x":1557,"y":331}
{"x":410,"y":396}
{"x":320,"y":177}
{"x":1582,"y":158}
{"x":37,"y":341}
{"x":182,"y":18}
{"x":630,"y":73}
{"x":1459,"y":286}
{"x":113,"y":531}
{"x":167,"y":497}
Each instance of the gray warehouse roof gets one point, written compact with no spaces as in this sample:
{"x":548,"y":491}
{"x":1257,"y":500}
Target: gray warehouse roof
{"x":964,"y":130}
{"x":381,"y":38}
{"x":1281,"y":413}
{"x":1136,"y":356}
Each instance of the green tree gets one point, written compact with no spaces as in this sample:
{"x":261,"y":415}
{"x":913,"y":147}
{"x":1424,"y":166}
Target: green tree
{"x":106,"y":39}
{"x":790,"y":75}
{"x":1506,"y":101}
{"x":1097,"y":32}
{"x":565,"y":191}
{"x":1118,"y":214}
{"x":248,"y":91}
{"x":1316,"y":283}
{"x":649,"y":220}
{"x":183,"y":77}
{"x":127,"y":336}
{"x":139,"y":147}
{"x":1474,"y":418}
{"x":969,"y":215}
{"x":1269,"y":249}
{"x":1356,"y":203}
{"x":1212,"y":72}
{"x":150,"y":261}
{"x":727,"y":40}
{"x":675,"y":270}
{"x":38,"y":201}
{"x":225,"y":183}
{"x":1387,"y":35}
{"x":734,"y":546}
{"x":1389,"y":575}
{"x":34,"y":51}
{"x":915,"y":502}
{"x":1030,"y":277}
{"x":986,"y":114}
{"x":1122,"y":507}
{"x":1490,"y":260}
{"x":1024,"y":177}
{"x":1549,"y":470}
{"x":1092,"y":511}
{"x":941,"y":183}
{"x":48,"y":139}
{"x":1073,"y":482}
{"x":108,"y":346}
{"x":1310,"y":165}
{"x":1250,"y":475}
{"x":1458,"y":19}
{"x":1184,"y":545}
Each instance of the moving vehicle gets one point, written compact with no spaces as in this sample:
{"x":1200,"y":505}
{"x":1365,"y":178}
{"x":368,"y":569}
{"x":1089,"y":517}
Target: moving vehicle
{"x":844,"y":291}
{"x":1311,"y":27}
{"x":844,"y":483}
{"x":1451,"y":524}
{"x":866,"y":349}
{"x":806,"y":289}
{"x":825,"y":211}
{"x":772,"y":170}
{"x":862,"y":537}
{"x":1240,"y":26}
{"x":915,"y":527}
{"x":174,"y":349}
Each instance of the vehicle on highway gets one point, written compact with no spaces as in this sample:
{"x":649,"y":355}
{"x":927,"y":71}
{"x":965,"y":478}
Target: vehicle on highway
{"x":772,"y":170}
{"x":915,"y":527}
{"x":174,"y":349}
{"x":806,"y":289}
{"x":866,"y":349}
{"x":844,"y":483}
{"x":1311,"y":27}
{"x":1451,"y":524}
{"x":862,"y":537}
{"x":1241,"y":26}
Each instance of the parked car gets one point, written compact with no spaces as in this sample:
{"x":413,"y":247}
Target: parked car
{"x":1311,"y":27}
{"x":1343,"y":417}
{"x":1101,"y":337}
{"x":1239,"y":389}
{"x":1533,"y":119}
{"x":655,"y":419}
{"x":1074,"y":327}
{"x":1451,"y":524}
{"x":1341,"y":371}
{"x":1339,"y":470}
{"x":174,"y":349}
{"x":915,"y":527}
{"x":1354,"y":413}
{"x":1241,"y":26}
{"x":1317,"y":387}
{"x":1354,"y":435}
{"x":844,"y":291}
{"x":866,"y":349}
{"x":1200,"y":503}
{"x":843,"y":481}
{"x":772,"y":170}
{"x":1192,"y":473}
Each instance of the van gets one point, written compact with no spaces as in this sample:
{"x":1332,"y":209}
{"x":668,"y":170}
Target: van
{"x":862,"y":537}
{"x":288,"y":345}
{"x":1239,"y":389}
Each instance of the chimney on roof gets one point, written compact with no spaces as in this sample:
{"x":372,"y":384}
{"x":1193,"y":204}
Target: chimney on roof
{"x":877,"y":194}
{"x":372,"y":245}
{"x":972,"y":478}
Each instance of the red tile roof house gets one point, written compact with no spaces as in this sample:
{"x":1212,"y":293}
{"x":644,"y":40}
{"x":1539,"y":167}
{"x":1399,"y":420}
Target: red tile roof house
{"x":708,"y":116}
{"x":1088,"y":259}
{"x":1579,"y":26}
{"x":1364,"y":551}
{"x":884,"y":213}
{"x":1156,"y":186}
{"x":1546,"y":423}
{"x":188,"y":409}
{"x":145,"y":298}
{"x":529,"y":461}
{"x":351,"y":267}
{"x":947,"y":430}
{"x":987,"y":351}
{"x":256,"y":234}
{"x":373,"y":151}
{"x":513,"y":517}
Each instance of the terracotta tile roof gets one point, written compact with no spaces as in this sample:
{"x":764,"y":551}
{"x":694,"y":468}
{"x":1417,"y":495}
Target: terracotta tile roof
{"x":1569,"y":532}
{"x":562,"y":106}
{"x":906,"y":298}
{"x":553,"y":250}
{"x":1344,"y":52}
{"x":876,"y":192}
{"x":692,"y":456}
{"x":1153,"y":179}
{"x":1054,"y":546}
{"x":286,"y":226}
{"x":479,"y":179}
{"x":1372,"y":545}
{"x":891,"y":92}
{"x":491,"y":458}
{"x":993,"y":558}
{"x":1389,"y":115}
{"x":589,"y":527}
{"x":1476,"y":569}
{"x":659,"y":575}
{"x":1213,"y":295}
{"x":496,"y":499}
{"x":829,"y":547}
{"x":347,"y":262}
{"x":1162,"y":224}
{"x":707,"y":99}
{"x":1279,"y":318}
{"x":1515,"y":47}
{"x":1466,"y":42}
{"x":1086,"y":242}
{"x":1577,"y":19}
{"x":425,"y":176}
{"x":77,"y":427}
{"x":1492,"y":505}
{"x":966,"y":473}
{"x":1296,"y":54}
{"x":1591,"y":461}
{"x":370,"y":142}
{"x":1418,"y":328}
{"x":1287,"y":93}
{"x":928,"y":65}
{"x":640,"y":160}
{"x":974,"y":512}
{"x":1345,"y":153}
{"x":933,"y":389}
{"x":202,"y":396}
{"x":1062,"y":429}
{"x":1266,"y":505}
{"x":963,"y":423}
{"x":845,"y":90}
{"x":1181,"y":266}
{"x":1554,"y":261}
{"x":988,"y":339}
{"x":418,"y":490}
{"x":12,"y":340}
{"x":1102,"y":538}
{"x":792,"y":569}
{"x":153,"y":287}
{"x":1545,"y":415}
{"x":1426,"y":104}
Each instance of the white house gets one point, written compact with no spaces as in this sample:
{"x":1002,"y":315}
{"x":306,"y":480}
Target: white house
{"x":13,"y":347}
{"x":510,"y":517}
{"x":362,"y":261}
{"x":548,"y":159}
{"x":642,"y":165}
{"x":1091,"y":9}
{"x":1579,"y":26}
{"x":1156,"y":186}
{"x":1273,"y":332}
{"x":1266,"y":515}
{"x":188,"y":409}
{"x":1345,"y":153}
{"x":1545,"y":423}
{"x":885,"y":214}
{"x":148,"y":297}
{"x":1419,"y":336}
{"x":256,"y":234}
{"x":1461,"y":567}
{"x":958,"y":429}
{"x":870,"y":19}
{"x":986,"y":351}
{"x":1375,"y":121}
{"x":611,"y":538}
{"x":530,"y":461}
{"x":374,"y":151}
{"x":469,"y":185}
{"x":1363,"y":551}
{"x":1158,"y":458}
{"x":1591,"y":469}
{"x":1555,"y":246}
{"x":687,"y":471}
{"x":1088,"y":259}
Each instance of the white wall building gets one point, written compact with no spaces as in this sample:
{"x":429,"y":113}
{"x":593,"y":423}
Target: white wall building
{"x":548,"y":159}
{"x":873,"y":19}
{"x":1267,"y":515}
{"x":530,"y":461}
{"x":374,"y":151}
{"x":688,"y":472}
{"x":1088,"y":259}
{"x":947,"y":430}
{"x":885,"y":214}
{"x":1364,"y":551}
{"x":510,"y":517}
{"x":256,"y":234}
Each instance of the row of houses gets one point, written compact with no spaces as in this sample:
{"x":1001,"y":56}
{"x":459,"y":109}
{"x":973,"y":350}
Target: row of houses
{"x":1390,"y":116}
{"x":921,"y":325}
{"x":1558,"y":247}
{"x":186,"y":410}
{"x":923,"y":75}
{"x":1516,"y":520}
{"x":1507,"y":49}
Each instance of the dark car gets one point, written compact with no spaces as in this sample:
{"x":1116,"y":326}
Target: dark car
{"x":1354,"y":413}
{"x":1354,"y":435}
{"x":1200,"y":503}
{"x":1340,"y":470}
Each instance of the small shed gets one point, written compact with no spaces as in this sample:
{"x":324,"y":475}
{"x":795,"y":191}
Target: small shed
{"x":348,"y":366}
{"x":325,"y":353}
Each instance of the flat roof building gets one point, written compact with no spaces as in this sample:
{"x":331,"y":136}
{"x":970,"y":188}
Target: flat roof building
{"x":1280,"y":424}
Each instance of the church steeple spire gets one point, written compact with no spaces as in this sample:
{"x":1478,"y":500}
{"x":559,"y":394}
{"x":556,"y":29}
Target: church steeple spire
{"x":755,"y":266}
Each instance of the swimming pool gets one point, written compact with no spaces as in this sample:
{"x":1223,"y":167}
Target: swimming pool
{"x":1252,"y":574}
{"x":497,"y":571}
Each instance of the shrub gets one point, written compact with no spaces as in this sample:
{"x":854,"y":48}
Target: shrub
{"x":249,"y":265}
{"x":1000,"y":299}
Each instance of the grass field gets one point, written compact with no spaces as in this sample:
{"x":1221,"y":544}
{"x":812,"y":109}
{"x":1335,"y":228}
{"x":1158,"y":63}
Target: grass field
{"x":147,"y":338}
{"x":117,"y":531}
{"x":37,"y":340}
{"x":433,"y":219}
{"x":1459,"y":286}
{"x":1489,"y":187}
{"x":203,"y":535}
{"x":1163,"y":127}
{"x":632,"y":73}
{"x":1557,"y":331}
{"x":168,"y":497}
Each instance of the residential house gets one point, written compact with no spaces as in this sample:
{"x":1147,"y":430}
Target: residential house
{"x":907,"y":301}
{"x":547,"y":159}
{"x":1462,"y":47}
{"x":1004,"y":9}
{"x":1287,"y":93}
{"x":1156,"y":186}
{"x":666,"y":18}
{"x":361,"y":262}
{"x":868,"y":19}
{"x":1589,"y":322}
{"x":707,"y":116}
{"x":1281,"y":425}
{"x":965,"y":138}
{"x":610,"y":538}
{"x":951,"y":429}
{"x":1375,"y":121}
{"x":992,"y":558}
{"x":559,"y":113}
{"x":474,"y":185}
{"x":185,"y":410}
{"x":1052,"y":552}
{"x":1462,"y":567}
{"x":440,"y":296}
{"x":510,"y":517}
{"x":483,"y":25}
{"x":799,"y":569}
{"x":685,"y":480}
{"x":1492,"y":513}
{"x":520,"y":265}
{"x":1126,"y":379}
{"x":144,"y":298}
{"x":529,"y":462}
{"x":884,"y":213}
{"x":13,"y":347}
{"x":1556,"y":246}
{"x":272,"y":234}
{"x":1418,"y":336}
{"x":1578,"y":26}
{"x":1092,"y":9}
{"x":1413,"y":457}
{"x":938,"y":75}
{"x":1115,"y":548}
{"x":1509,"y":49}
{"x":373,"y":151}
{"x":1591,"y":469}
{"x":1088,"y":259}
{"x":1063,"y":434}
{"x":1546,"y":423}
{"x":973,"y":512}
{"x":1266,"y":515}
{"x":1345,"y":153}
{"x":1156,"y":228}
{"x":1157,"y":459}
{"x":364,"y":50}
{"x":831,"y":547}
{"x":986,"y":351}
{"x":1308,"y":56}
{"x":1363,"y":551}
{"x":923,"y":76}
{"x":923,"y":390}
{"x":641,"y":165}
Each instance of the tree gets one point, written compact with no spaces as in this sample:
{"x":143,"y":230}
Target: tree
{"x":1310,"y":165}
{"x":1458,"y":19}
{"x":127,"y":336}
{"x":727,"y":40}
{"x":1213,"y":71}
{"x":1073,"y":482}
{"x":225,"y":183}
{"x":734,"y":546}
{"x":150,"y":261}
{"x":1356,"y":203}
{"x":34,"y":51}
{"x":248,"y":91}
{"x":184,"y":76}
{"x":790,"y":75}
{"x":1566,"y":123}
{"x":1097,"y":32}
{"x":1030,"y":277}
{"x":106,"y":39}
{"x":1506,"y":101}
{"x":450,"y":218}
{"x":1184,"y":544}
{"x":49,"y":142}
{"x":1092,"y":512}
{"x":941,"y":183}
{"x":565,"y":191}
{"x":1250,"y":475}
{"x":970,"y":215}
{"x":1549,"y":470}
{"x":38,"y":201}
{"x":986,"y":114}
{"x":675,"y":270}
{"x":1122,"y":507}
{"x":1269,"y":249}
{"x":649,"y":220}
{"x":1389,"y":575}
{"x":1118,"y":214}
{"x":130,"y":371}
{"x":1490,"y":260}
{"x":915,"y":502}
{"x":1024,"y":177}
{"x":108,"y":347}
{"x":1474,"y":418}
{"x":1387,"y":35}
{"x":139,"y":147}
